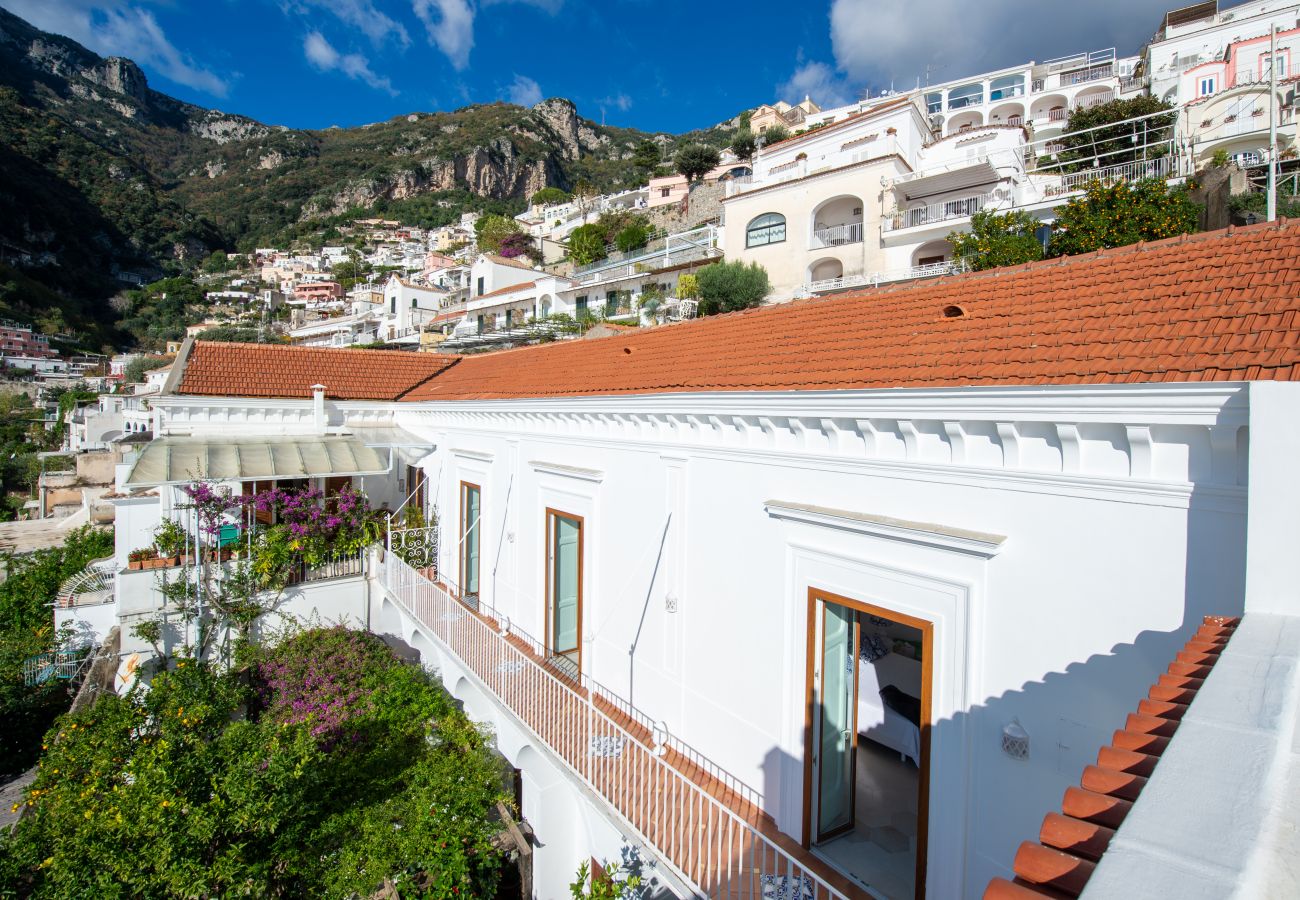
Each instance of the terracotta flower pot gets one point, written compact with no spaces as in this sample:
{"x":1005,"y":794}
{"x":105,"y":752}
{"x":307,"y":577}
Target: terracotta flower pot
{"x":154,"y":563}
{"x":135,"y":564}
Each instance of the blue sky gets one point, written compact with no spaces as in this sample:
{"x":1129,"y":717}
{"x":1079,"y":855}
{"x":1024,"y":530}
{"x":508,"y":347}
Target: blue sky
{"x":659,"y":65}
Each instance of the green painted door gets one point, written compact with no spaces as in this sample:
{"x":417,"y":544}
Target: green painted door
{"x":565,"y":569}
{"x":835,"y":738}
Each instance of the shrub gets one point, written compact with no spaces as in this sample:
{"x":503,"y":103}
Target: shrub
{"x":633,"y":237}
{"x":998,"y":239}
{"x":775,"y":134}
{"x":491,"y":230}
{"x":730,"y":286}
{"x":587,"y":244}
{"x":743,"y":143}
{"x":324,"y":768}
{"x":1120,"y":213}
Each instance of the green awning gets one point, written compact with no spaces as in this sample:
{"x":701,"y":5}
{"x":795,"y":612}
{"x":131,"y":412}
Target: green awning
{"x":179,"y":460}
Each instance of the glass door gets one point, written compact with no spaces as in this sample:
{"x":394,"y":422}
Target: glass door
{"x":565,"y":587}
{"x":470,"y":528}
{"x":836,"y":740}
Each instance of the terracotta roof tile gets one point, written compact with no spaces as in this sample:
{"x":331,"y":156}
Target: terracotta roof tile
{"x":1071,"y":843}
{"x":1219,"y":306}
{"x":216,"y":369}
{"x":525,"y":286}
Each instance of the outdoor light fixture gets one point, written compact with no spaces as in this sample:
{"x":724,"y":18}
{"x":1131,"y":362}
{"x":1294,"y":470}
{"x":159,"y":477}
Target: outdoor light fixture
{"x":1015,"y":740}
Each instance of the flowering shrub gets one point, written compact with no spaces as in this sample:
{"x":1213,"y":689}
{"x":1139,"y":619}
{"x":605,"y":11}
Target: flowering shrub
{"x":324,"y":768}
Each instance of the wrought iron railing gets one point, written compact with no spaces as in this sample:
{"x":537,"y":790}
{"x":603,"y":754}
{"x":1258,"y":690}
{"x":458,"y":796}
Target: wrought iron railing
{"x":607,"y":745}
{"x":417,"y":547}
{"x":343,"y":567}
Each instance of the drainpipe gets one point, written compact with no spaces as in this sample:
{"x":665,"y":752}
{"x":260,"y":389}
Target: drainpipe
{"x":318,"y":407}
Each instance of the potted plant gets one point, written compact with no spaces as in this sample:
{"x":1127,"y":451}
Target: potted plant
{"x":170,"y":539}
{"x":135,"y":559}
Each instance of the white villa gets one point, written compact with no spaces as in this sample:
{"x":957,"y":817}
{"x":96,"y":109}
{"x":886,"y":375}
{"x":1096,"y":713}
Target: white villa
{"x":830,"y":599}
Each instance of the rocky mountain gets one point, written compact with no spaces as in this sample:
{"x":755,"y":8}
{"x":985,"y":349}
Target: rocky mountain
{"x":101,"y":175}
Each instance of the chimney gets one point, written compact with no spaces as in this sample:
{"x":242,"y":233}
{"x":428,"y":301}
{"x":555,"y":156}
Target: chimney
{"x":318,"y":407}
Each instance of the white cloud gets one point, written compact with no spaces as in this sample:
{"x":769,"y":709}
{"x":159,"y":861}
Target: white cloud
{"x":321,"y":54}
{"x":820,"y":82}
{"x":524,"y":91}
{"x":893,"y":41}
{"x":619,"y":101}
{"x":363,"y":16}
{"x":450,"y":24}
{"x":117,"y":28}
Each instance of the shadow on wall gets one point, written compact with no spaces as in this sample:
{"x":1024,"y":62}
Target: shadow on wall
{"x":1068,"y":714}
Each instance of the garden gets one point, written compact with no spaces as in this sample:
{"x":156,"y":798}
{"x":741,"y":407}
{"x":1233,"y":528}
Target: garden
{"x":320,"y":766}
{"x":239,"y":552}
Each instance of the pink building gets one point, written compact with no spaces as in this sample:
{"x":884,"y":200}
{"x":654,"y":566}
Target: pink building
{"x":318,"y":290}
{"x":19,"y":340}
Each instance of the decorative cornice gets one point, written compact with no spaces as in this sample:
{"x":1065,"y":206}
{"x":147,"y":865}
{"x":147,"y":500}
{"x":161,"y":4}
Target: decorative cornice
{"x":567,"y":471}
{"x":481,"y":455}
{"x":943,"y":537}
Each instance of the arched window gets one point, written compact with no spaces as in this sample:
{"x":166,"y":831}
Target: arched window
{"x":768,"y":228}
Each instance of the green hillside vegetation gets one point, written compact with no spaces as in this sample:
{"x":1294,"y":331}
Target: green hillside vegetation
{"x":100,"y":175}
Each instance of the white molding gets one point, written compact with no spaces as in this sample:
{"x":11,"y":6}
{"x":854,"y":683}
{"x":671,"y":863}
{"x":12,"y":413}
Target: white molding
{"x":567,"y":471}
{"x":943,"y":537}
{"x":480,"y":455}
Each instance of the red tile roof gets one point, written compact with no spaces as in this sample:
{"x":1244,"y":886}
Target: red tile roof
{"x":1070,"y":844}
{"x":527,"y":285}
{"x":1218,"y":306}
{"x":216,"y":369}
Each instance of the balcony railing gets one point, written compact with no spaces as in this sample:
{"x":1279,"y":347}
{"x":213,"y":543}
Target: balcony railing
{"x":871,"y":279}
{"x":633,"y":765}
{"x":943,"y":212}
{"x":1163,"y":167}
{"x":835,"y":235}
{"x":343,"y":567}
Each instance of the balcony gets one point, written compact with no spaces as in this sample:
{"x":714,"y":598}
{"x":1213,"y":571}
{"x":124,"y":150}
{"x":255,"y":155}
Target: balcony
{"x":874,"y":279}
{"x":837,"y":235}
{"x":945,"y":211}
{"x":707,"y":825}
{"x":1163,"y":167}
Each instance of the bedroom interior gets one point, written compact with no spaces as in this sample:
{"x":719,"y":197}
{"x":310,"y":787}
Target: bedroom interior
{"x":870,"y":675}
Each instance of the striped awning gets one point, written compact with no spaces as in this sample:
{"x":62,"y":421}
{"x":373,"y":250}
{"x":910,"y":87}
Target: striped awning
{"x":179,"y":460}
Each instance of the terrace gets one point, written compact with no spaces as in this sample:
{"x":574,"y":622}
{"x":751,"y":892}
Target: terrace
{"x":707,"y":825}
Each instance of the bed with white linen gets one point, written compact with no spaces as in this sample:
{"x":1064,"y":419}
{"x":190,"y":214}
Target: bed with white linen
{"x":876,"y":720}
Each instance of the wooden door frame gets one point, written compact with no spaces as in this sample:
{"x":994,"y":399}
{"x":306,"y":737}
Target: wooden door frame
{"x":552,"y":513}
{"x":926,"y":628}
{"x":460,"y":541}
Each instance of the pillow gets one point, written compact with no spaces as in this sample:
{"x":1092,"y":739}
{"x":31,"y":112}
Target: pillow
{"x":873,"y":647}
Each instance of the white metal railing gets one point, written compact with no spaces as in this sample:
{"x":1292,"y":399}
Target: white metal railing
{"x":835,"y":235}
{"x":608,"y":747}
{"x":1130,"y":171}
{"x":1094,"y":100}
{"x":93,"y":585}
{"x":872,"y":279}
{"x":943,"y":211}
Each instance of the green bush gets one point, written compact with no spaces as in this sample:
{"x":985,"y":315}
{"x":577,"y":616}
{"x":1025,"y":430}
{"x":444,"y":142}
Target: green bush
{"x":26,"y":629}
{"x":998,"y":239}
{"x":633,"y":237}
{"x":322,"y":768}
{"x":587,"y":244}
{"x":730,"y":286}
{"x":1122,"y":213}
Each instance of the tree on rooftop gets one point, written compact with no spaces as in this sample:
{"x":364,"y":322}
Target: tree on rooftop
{"x":743,"y":143}
{"x":1119,"y":143}
{"x":695,"y":160}
{"x":774,"y":134}
{"x":1122,"y":213}
{"x":998,"y":239}
{"x":730,"y":286}
{"x":549,"y":195}
{"x":632,"y":237}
